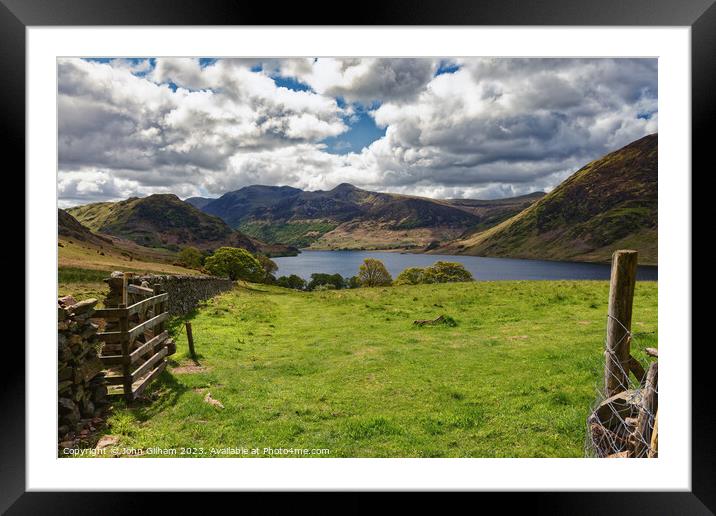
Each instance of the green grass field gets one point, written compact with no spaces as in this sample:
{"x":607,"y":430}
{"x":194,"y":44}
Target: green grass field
{"x":349,"y":372}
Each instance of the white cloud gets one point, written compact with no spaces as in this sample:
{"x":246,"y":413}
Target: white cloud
{"x":362,"y":79}
{"x":495,"y":127}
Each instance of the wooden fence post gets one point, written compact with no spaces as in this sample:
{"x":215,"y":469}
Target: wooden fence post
{"x":647,"y":413}
{"x":190,"y":340}
{"x":160,"y":308}
{"x":125,"y":294}
{"x":126,"y":361}
{"x":621,"y":298}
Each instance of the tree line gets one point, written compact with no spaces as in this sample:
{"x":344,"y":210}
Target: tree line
{"x":240,"y":264}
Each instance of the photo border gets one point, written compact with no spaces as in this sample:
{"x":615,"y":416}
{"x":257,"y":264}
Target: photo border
{"x":700,"y":15}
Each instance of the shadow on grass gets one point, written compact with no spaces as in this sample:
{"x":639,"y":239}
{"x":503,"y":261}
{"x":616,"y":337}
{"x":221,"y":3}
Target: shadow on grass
{"x":175,"y":325}
{"x":162,"y":394}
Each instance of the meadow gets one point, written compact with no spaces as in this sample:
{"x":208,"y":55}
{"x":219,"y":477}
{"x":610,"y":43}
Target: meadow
{"x":512,"y":374}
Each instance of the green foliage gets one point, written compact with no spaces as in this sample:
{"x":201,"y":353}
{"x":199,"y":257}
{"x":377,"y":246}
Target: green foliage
{"x":191,"y":257}
{"x":293,"y":282}
{"x":439,"y":272}
{"x":447,"y":272}
{"x":236,"y":264}
{"x":269,"y":267}
{"x":353,"y":282}
{"x":318,"y":279}
{"x":372,"y":273}
{"x":411,"y":276}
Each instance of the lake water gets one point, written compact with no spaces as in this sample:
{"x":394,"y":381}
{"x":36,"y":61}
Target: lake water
{"x":346,"y":264}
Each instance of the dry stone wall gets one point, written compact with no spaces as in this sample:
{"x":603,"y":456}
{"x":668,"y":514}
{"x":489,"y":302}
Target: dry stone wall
{"x":185,"y":292}
{"x":82,"y":389}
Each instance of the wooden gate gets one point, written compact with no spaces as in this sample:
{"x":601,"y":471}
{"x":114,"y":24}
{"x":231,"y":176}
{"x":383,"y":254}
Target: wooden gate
{"x":136,"y":343}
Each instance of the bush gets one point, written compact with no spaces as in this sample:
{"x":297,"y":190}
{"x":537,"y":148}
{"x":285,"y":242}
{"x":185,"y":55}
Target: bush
{"x":319,"y":278}
{"x":439,"y":272}
{"x":269,"y":267}
{"x":293,"y":281}
{"x":374,"y":274}
{"x":353,"y":282}
{"x":235,"y":263}
{"x":447,"y":272}
{"x":191,"y":257}
{"x":411,"y":276}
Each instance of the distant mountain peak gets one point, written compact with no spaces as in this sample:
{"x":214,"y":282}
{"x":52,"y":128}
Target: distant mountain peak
{"x":296,"y":217}
{"x":344,"y":187}
{"x":159,"y":196}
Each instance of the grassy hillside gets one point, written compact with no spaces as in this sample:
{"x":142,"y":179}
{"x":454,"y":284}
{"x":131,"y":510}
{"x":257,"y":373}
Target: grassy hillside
{"x":348,"y":371}
{"x":82,"y":266}
{"x":299,"y":233}
{"x":165,"y":221}
{"x":609,"y":204}
{"x":349,"y":217}
{"x":158,"y":221}
{"x":85,"y":258}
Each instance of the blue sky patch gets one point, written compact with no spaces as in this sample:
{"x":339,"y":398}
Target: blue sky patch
{"x":362,"y":132}
{"x":290,"y":83}
{"x":446,"y":67}
{"x":645,"y":115}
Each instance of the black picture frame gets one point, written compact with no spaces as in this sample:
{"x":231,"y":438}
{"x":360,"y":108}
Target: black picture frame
{"x":700,"y":15}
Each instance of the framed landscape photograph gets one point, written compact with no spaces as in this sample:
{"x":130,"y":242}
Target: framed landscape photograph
{"x":436,"y":254}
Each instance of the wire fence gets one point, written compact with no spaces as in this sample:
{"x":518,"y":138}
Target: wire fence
{"x":625,"y":423}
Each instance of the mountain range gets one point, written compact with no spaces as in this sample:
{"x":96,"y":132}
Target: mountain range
{"x":608,"y":204}
{"x":348,"y":217}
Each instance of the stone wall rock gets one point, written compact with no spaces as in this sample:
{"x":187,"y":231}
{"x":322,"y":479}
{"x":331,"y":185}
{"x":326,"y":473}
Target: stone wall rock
{"x":185,"y":292}
{"x":82,"y":389}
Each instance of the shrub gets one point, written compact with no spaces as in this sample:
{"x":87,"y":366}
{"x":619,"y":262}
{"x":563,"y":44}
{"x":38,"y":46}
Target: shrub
{"x":293,"y":281}
{"x":269,"y":267}
{"x":319,"y":278}
{"x":234,"y":263}
{"x":372,"y":273}
{"x":411,"y":276}
{"x":191,"y":257}
{"x":439,"y":272}
{"x":353,"y":282}
{"x":447,"y":272}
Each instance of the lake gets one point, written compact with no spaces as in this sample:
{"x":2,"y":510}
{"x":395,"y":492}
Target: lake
{"x":346,"y":264}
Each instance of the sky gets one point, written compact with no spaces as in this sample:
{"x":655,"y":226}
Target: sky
{"x":481,"y":128}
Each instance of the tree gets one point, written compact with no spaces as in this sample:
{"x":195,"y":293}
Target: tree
{"x":293,"y":281}
{"x":191,"y":257}
{"x":320,"y":278}
{"x":269,"y":267}
{"x":353,"y":282}
{"x":372,"y":273}
{"x":234,"y":263}
{"x":411,"y":276}
{"x":447,"y":272}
